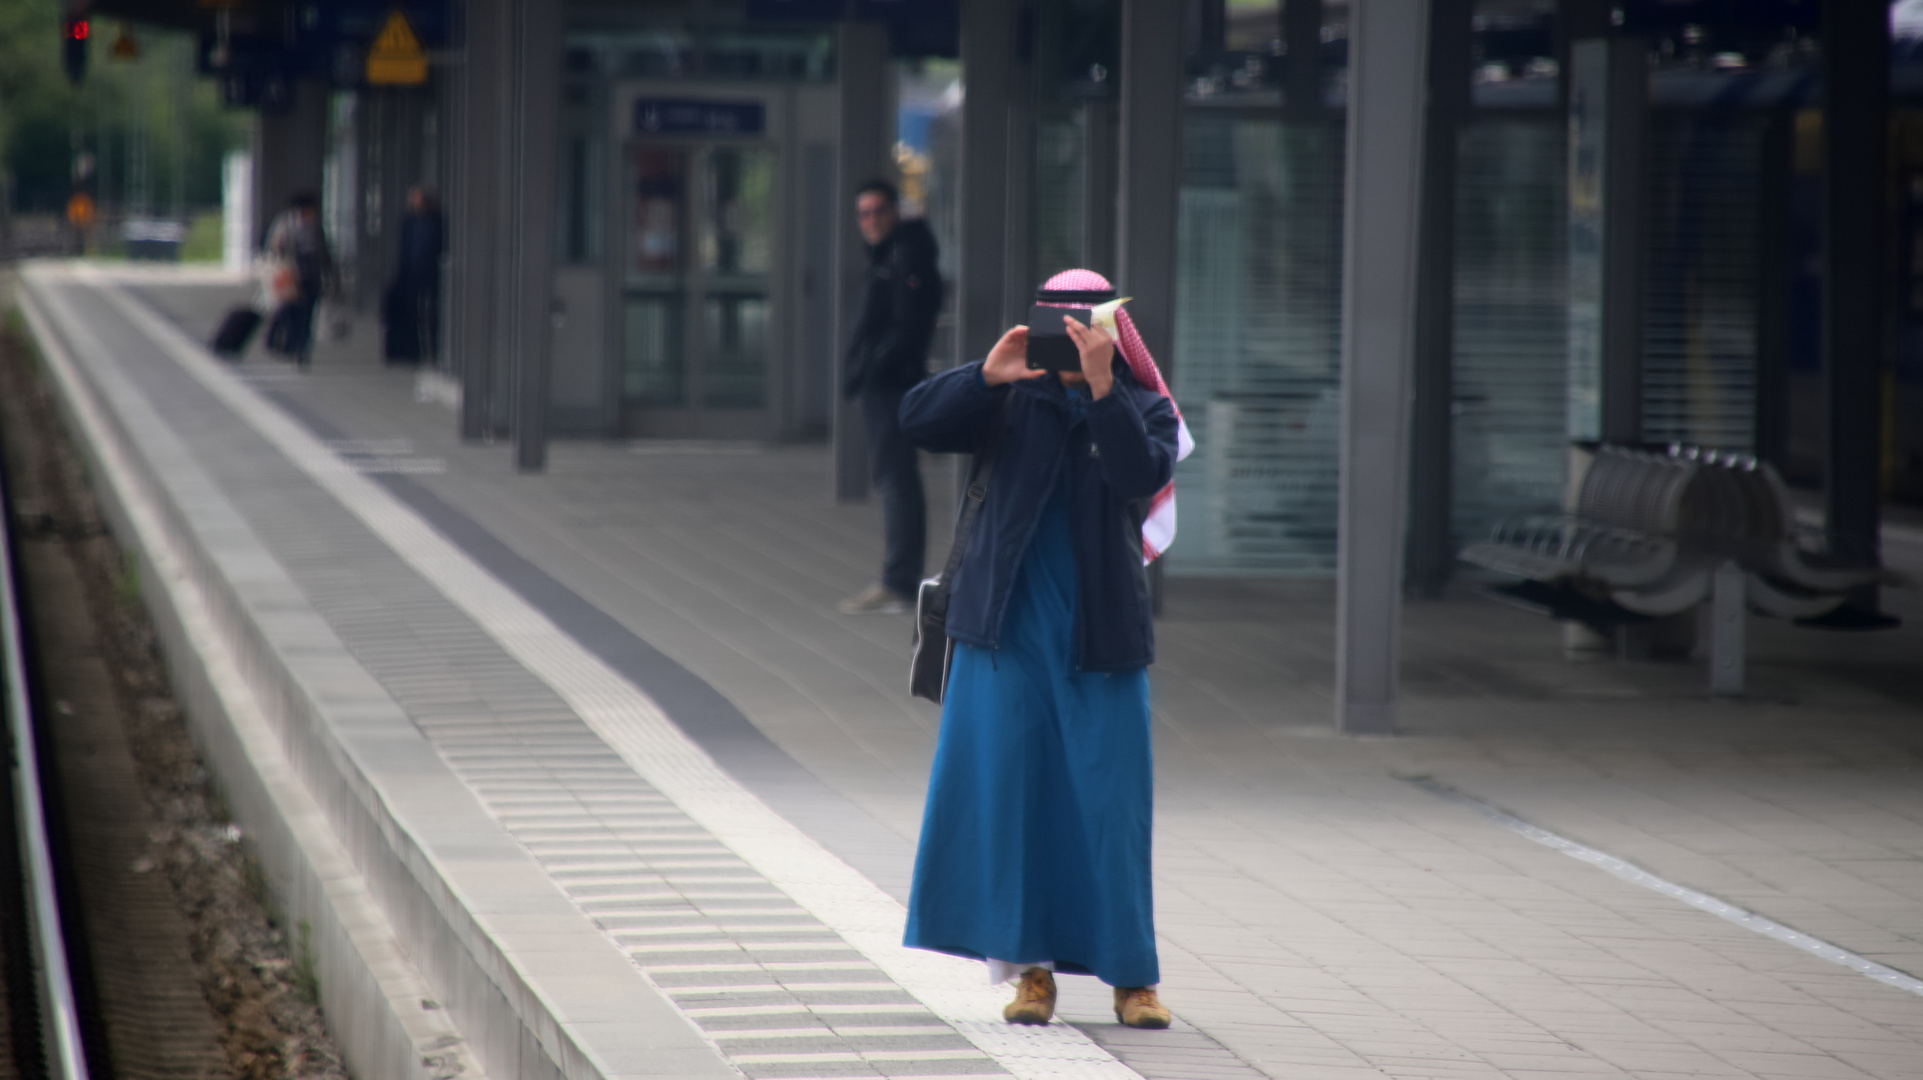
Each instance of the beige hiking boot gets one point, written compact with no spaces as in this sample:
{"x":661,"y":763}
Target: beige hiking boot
{"x":1138,"y":1007}
{"x":1034,"y":998}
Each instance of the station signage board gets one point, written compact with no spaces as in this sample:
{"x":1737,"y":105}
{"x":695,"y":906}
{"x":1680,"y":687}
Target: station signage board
{"x":688,"y":116}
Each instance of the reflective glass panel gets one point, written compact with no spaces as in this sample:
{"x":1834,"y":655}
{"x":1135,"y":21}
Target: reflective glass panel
{"x":734,"y":369}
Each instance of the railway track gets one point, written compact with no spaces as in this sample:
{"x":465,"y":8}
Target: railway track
{"x":40,"y":1012}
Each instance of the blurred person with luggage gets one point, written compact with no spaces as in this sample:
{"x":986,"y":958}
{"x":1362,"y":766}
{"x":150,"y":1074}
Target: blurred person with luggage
{"x":299,"y":268}
{"x":411,"y":307}
{"x":1034,"y":850}
{"x":888,"y":354}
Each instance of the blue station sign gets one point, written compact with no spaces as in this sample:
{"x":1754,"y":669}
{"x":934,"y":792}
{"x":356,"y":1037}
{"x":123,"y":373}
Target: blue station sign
{"x":686,"y":116}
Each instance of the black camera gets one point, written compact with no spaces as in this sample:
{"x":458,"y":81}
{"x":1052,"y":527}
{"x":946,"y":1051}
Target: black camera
{"x":1049,"y":346}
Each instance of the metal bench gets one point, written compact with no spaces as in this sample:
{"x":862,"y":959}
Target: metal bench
{"x":1653,"y":534}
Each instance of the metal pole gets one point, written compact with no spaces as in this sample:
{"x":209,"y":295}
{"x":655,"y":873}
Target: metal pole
{"x":536,"y":108}
{"x":1151,"y":169}
{"x":1302,"y":45}
{"x":863,"y":64}
{"x":1381,"y":221}
{"x":988,"y":60}
{"x":473,"y":240}
{"x":1432,"y":549}
{"x":1608,"y":135}
{"x":1728,"y":613}
{"x":1856,"y":51}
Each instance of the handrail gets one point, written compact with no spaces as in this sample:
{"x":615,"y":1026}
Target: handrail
{"x":60,"y":1017}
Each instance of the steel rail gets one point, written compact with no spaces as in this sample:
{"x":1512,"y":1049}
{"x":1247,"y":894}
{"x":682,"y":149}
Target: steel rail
{"x":59,"y":1015}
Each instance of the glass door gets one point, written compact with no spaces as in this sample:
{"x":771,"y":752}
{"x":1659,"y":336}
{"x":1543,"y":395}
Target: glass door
{"x":699,"y":252}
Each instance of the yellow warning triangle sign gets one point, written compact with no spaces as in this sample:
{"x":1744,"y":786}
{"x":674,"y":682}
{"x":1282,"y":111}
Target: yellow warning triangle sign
{"x":396,"y":59}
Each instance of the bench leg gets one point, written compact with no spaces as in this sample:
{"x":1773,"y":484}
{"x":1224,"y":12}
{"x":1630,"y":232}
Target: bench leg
{"x":1728,"y":615}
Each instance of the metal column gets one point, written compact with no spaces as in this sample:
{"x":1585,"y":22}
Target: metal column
{"x":1432,"y":549}
{"x":1151,"y":168}
{"x":1387,"y":63}
{"x":862,"y":60}
{"x":1856,"y":51}
{"x":1302,"y":44}
{"x":290,"y":157}
{"x":536,"y":112}
{"x":988,"y":59}
{"x":1608,"y":211}
{"x":1774,"y":228}
{"x":475,"y":243}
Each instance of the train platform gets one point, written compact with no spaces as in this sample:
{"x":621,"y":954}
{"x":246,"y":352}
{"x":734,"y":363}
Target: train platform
{"x":582,"y":774}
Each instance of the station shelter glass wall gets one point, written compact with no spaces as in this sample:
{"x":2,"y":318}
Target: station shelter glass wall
{"x":1257,"y":334}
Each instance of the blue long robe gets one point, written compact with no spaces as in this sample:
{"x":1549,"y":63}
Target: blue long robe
{"x":1035,"y":839}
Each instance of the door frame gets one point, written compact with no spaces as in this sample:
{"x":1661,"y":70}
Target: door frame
{"x":695,"y":420}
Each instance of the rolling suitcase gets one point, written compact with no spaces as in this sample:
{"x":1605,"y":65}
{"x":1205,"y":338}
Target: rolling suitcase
{"x":235,"y":329}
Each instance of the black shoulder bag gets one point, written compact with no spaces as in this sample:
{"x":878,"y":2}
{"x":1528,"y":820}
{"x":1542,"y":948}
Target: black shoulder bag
{"x":933,"y":652}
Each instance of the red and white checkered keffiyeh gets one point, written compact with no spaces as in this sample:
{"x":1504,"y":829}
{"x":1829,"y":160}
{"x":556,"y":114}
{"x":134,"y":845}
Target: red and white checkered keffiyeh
{"x":1158,"y":530}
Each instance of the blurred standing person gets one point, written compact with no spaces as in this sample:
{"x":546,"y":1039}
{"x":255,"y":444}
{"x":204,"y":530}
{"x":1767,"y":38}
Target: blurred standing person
{"x":412,"y":306}
{"x":888,"y":354}
{"x":296,"y":243}
{"x":1034,"y":851}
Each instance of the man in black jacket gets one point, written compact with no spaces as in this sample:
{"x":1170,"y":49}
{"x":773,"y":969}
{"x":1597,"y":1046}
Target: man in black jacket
{"x":887,"y":355}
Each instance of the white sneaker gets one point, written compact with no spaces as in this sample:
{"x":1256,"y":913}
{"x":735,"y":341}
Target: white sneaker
{"x":877,"y":600}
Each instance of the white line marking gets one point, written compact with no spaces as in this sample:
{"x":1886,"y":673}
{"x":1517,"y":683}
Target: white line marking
{"x":708,"y":931}
{"x":768,"y":988}
{"x":732,"y":988}
{"x":745,"y":1010}
{"x":891,"y":1032}
{"x":1636,"y":875}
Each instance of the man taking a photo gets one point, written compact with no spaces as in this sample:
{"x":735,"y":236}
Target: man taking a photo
{"x":887,"y":354}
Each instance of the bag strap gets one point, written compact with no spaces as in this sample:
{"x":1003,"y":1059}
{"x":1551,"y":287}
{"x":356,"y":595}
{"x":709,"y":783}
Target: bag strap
{"x":977,"y":494}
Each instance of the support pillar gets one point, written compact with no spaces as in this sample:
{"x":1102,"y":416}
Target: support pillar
{"x":1388,"y":58}
{"x":1856,"y":52}
{"x":988,"y":61}
{"x":392,"y":152}
{"x":862,"y":61}
{"x":1608,"y":214}
{"x":476,"y":245}
{"x":1018,"y":176}
{"x":535,"y":155}
{"x":1099,"y":196}
{"x":1150,"y":155}
{"x":292,"y":150}
{"x":1775,"y":227}
{"x":1302,"y":47}
{"x":1432,"y":547}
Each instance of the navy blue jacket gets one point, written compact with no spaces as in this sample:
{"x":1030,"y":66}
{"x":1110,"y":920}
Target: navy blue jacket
{"x":888,"y":351}
{"x":1121,"y":456}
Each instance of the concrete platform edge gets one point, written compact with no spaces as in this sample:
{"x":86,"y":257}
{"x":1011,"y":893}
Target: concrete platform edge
{"x":332,"y":847}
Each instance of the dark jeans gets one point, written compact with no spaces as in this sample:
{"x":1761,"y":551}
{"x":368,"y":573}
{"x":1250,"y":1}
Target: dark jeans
{"x":292,"y":330}
{"x":897,"y":478}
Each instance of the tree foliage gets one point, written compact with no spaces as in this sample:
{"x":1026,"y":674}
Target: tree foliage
{"x":153,"y":108}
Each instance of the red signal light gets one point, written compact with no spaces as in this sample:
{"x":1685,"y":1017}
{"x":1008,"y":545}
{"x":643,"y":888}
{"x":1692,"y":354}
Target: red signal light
{"x":78,"y":29}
